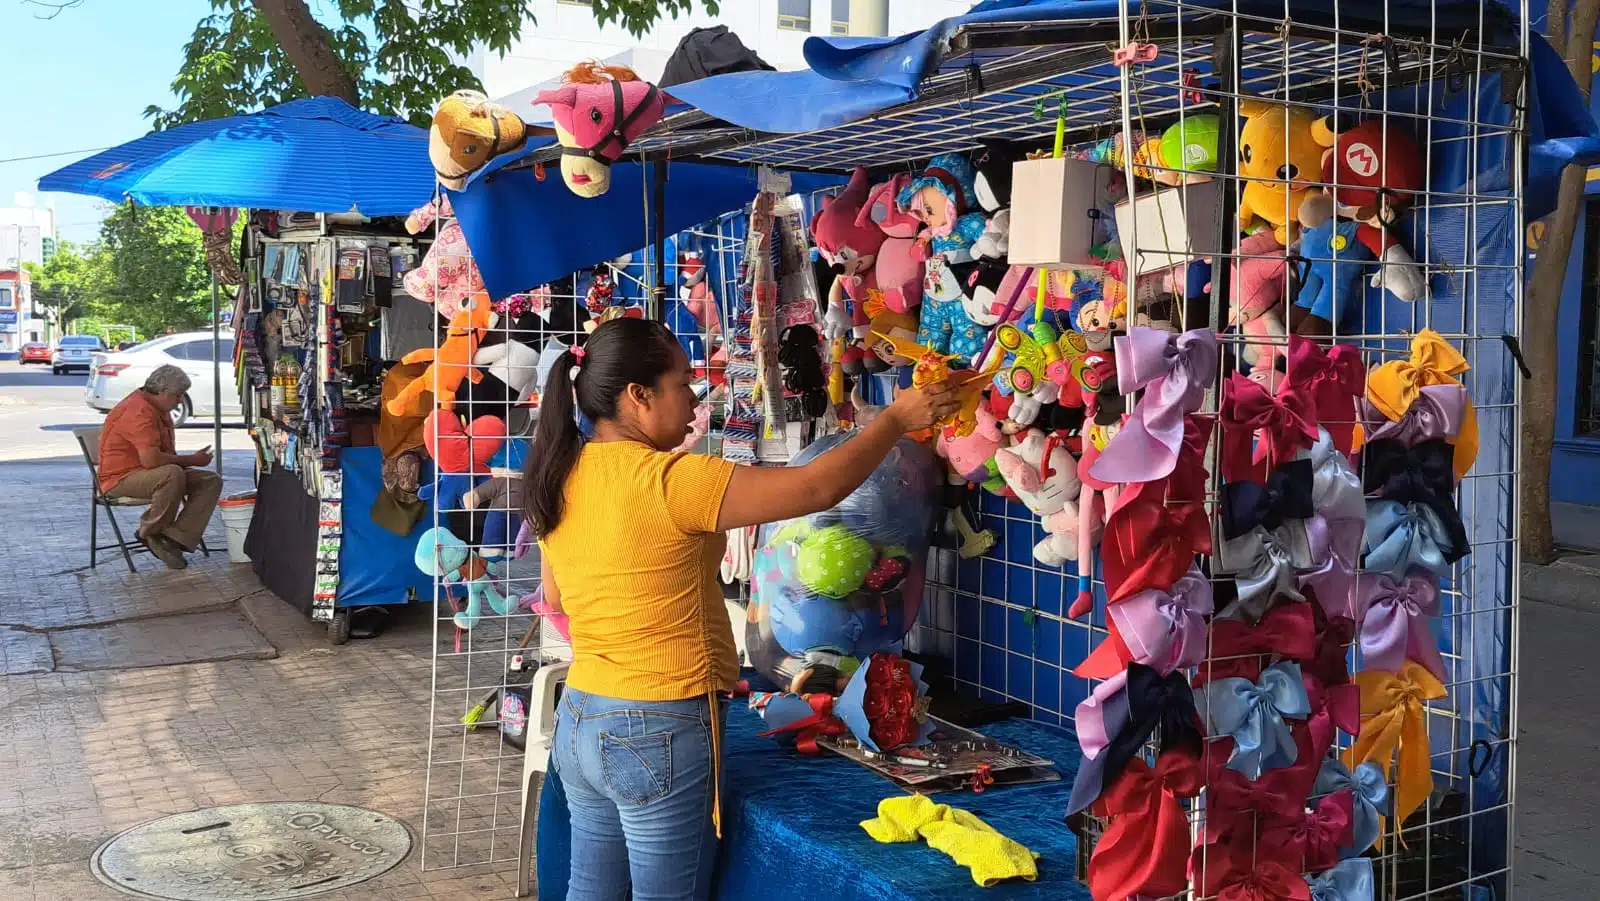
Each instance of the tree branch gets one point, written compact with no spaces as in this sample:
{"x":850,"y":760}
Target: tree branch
{"x":309,"y":47}
{"x":55,"y":8}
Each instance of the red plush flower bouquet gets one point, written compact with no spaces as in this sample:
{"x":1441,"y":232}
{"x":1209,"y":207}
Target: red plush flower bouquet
{"x":885,"y":703}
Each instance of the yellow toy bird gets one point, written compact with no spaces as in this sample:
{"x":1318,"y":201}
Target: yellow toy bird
{"x":929,"y":367}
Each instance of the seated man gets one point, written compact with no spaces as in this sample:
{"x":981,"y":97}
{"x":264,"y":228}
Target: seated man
{"x":138,"y":460}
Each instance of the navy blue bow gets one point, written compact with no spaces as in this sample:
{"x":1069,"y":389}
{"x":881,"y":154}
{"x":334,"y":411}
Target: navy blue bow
{"x":1286,"y":495}
{"x":1151,"y":704}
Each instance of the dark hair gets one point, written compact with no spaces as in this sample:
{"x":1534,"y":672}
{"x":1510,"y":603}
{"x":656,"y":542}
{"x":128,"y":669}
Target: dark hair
{"x":619,"y":353}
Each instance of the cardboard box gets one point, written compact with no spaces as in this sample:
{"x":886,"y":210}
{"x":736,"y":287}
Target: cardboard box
{"x":1053,"y":202}
{"x":1170,"y":227}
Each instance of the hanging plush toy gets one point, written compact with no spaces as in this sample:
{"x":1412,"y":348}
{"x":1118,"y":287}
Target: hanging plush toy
{"x":468,"y":131}
{"x":981,"y":291}
{"x":1190,"y":144}
{"x":992,"y":186}
{"x":1256,"y":298}
{"x":943,"y":199}
{"x":971,"y":457}
{"x":598,"y":111}
{"x":695,"y":292}
{"x":451,"y":362}
{"x":448,"y":274}
{"x":887,"y":330}
{"x":1278,"y":158}
{"x":444,"y":556}
{"x":601,"y":289}
{"x":945,"y":326}
{"x":1044,"y":477}
{"x":852,"y":249}
{"x":899,"y":271}
{"x":514,"y":363}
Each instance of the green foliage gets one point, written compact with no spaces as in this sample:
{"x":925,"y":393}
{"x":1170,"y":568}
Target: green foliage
{"x":157,"y":276}
{"x":72,"y":282}
{"x":403,"y":54}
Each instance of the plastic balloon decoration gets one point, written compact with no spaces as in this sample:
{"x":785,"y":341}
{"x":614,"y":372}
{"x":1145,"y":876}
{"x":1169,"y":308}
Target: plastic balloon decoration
{"x":830,"y":589}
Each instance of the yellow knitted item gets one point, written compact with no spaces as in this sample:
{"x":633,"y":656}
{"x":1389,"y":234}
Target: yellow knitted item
{"x":971,"y":842}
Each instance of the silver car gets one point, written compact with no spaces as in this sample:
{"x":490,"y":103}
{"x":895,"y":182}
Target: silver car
{"x":116,"y":374}
{"x":75,"y":352}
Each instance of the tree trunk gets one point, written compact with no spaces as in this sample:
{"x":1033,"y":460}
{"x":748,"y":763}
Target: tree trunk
{"x":1541,"y":317}
{"x":309,"y":47}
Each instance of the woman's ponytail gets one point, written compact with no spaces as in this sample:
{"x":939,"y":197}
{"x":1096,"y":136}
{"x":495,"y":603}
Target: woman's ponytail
{"x":557,"y":442}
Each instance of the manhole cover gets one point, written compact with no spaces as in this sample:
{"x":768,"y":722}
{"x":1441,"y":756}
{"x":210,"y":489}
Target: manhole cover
{"x":252,"y":852}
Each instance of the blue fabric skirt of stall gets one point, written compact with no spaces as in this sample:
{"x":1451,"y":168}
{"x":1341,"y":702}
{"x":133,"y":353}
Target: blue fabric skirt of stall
{"x":791,"y":827}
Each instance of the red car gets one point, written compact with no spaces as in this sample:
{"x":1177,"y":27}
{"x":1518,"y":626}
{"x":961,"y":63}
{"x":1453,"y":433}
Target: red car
{"x":36,"y":353}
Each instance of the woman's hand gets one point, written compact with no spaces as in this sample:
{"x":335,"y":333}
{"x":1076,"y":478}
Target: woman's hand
{"x":915,"y":409}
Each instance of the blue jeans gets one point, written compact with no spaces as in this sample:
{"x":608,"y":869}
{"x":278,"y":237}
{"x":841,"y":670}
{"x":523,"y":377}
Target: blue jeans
{"x":638,"y":777}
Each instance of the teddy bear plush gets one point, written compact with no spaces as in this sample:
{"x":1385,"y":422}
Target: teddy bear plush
{"x":1276,"y":150}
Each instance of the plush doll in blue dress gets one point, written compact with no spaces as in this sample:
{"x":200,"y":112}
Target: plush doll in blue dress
{"x":944,"y":199}
{"x":945,"y":326}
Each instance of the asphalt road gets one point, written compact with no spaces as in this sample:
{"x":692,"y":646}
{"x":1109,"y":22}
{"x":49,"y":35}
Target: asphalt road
{"x":38,"y":412}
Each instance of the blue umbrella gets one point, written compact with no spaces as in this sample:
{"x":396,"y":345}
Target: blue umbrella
{"x":318,"y":155}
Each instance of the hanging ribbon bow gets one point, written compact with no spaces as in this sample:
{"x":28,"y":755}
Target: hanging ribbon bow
{"x":1233,"y":801}
{"x":1418,"y":474}
{"x":1316,"y":836}
{"x":1348,"y":880}
{"x":1265,"y":566}
{"x":1338,"y":497}
{"x":1334,"y":379}
{"x":1402,"y":536}
{"x":1145,"y":847}
{"x":1395,"y":725}
{"x":1397,"y":624}
{"x":1239,"y":871}
{"x":1286,"y":423}
{"x":1254,"y":714}
{"x":1286,"y":495}
{"x":1149,"y":543}
{"x":1369,"y":792}
{"x":1330,"y":663}
{"x":1164,"y":631}
{"x":1116,"y":721}
{"x":1393,"y":387}
{"x":1436,"y":412}
{"x":1174,"y":371}
{"x":1237,"y":647}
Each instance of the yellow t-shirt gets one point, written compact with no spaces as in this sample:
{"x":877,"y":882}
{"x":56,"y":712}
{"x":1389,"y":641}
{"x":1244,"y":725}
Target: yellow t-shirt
{"x":635,"y":558}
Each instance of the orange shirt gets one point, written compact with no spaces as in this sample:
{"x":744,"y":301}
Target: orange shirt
{"x":635,"y":558}
{"x":134,"y":424}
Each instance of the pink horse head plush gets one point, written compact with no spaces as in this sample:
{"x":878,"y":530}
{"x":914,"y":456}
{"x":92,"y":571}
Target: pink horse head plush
{"x":598,"y":111}
{"x":899,"y":272}
{"x":1257,"y":292}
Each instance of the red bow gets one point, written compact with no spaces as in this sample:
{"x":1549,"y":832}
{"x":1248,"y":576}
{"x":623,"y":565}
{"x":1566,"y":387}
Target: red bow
{"x":1287,"y":423}
{"x":1331,"y":663}
{"x":1145,"y":848}
{"x":1333,"y":379}
{"x":1237,"y":647}
{"x":1236,"y":802}
{"x":1242,"y":872}
{"x":1314,"y":839}
{"x":1156,"y":528}
{"x":1341,"y":703}
{"x":820,"y":722}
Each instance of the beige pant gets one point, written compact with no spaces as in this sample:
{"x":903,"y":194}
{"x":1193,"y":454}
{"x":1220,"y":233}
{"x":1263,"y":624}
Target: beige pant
{"x":167,"y":487}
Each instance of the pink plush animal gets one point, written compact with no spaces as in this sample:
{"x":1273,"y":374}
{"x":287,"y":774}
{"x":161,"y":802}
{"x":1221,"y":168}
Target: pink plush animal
{"x":852,"y":248}
{"x":899,"y":272}
{"x":1044,"y":476}
{"x":1257,"y":292}
{"x":969,"y":456}
{"x":696,"y":293}
{"x":447,"y":275}
{"x":598,"y":111}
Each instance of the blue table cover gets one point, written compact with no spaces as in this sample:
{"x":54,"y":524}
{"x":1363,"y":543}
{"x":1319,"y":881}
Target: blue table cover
{"x":791,"y":826}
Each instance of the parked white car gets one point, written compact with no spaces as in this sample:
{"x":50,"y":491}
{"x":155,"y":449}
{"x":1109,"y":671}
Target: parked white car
{"x":75,"y":352}
{"x":116,"y":374}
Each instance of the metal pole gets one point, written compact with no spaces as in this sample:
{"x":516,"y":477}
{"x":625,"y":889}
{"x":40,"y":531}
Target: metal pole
{"x":658,"y":294}
{"x":216,"y":376}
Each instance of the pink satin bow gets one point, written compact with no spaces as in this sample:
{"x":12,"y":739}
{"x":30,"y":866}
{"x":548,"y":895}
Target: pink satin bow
{"x":1165,"y":631}
{"x":1396,"y":627}
{"x":1286,"y":423}
{"x":1333,"y":379}
{"x":1174,"y":371}
{"x":1315,"y":837}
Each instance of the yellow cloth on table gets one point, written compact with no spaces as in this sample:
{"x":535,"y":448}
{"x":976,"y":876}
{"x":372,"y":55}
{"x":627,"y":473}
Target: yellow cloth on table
{"x":971,"y":842}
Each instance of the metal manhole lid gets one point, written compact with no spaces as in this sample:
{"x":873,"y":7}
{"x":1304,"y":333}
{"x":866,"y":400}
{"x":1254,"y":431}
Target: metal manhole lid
{"x":252,"y":852}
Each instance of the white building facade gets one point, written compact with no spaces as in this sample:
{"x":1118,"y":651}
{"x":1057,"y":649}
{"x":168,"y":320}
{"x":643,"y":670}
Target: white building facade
{"x":564,"y":32}
{"x":27,"y":235}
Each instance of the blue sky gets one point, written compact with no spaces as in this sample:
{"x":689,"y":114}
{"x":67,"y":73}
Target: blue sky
{"x":81,"y":81}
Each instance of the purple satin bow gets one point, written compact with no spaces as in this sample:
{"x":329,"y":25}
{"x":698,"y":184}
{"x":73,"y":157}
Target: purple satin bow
{"x":1174,"y":371}
{"x":1166,"y":631}
{"x":1396,"y":626}
{"x":1436,"y":413}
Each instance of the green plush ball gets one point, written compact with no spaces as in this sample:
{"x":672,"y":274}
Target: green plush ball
{"x":834,"y":562}
{"x":1192,"y":144}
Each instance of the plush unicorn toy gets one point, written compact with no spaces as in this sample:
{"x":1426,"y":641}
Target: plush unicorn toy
{"x":598,"y":111}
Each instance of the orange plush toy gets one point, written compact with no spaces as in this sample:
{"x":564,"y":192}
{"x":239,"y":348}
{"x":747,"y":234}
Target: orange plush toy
{"x":450,"y":362}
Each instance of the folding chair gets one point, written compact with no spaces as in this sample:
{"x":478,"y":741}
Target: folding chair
{"x":89,"y":442}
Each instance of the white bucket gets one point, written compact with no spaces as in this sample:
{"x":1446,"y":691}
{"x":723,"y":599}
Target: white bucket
{"x":236,"y":513}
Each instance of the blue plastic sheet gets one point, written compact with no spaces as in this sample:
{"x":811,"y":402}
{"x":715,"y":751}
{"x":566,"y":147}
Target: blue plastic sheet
{"x":375,"y":565}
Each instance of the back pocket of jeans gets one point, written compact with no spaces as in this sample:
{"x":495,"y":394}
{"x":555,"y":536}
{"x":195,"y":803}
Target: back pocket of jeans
{"x":638,"y":770}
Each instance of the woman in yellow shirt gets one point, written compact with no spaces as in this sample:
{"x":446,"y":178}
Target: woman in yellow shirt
{"x":631,"y":534}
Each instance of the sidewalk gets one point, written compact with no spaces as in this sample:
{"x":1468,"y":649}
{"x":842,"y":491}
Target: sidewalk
{"x":100,"y":732}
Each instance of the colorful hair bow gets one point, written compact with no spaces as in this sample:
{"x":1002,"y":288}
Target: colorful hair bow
{"x":1338,"y":496}
{"x":1369,"y":794}
{"x":1334,"y":379}
{"x":1233,"y":800}
{"x":1402,"y":536}
{"x":1419,"y":473}
{"x":1265,"y":565}
{"x":1237,"y":871}
{"x":1145,"y":847}
{"x":1174,"y":371}
{"x":1152,"y":543}
{"x":1393,"y":387}
{"x":1316,"y":836}
{"x":1286,"y":421}
{"x":1435,"y":413}
{"x":1237,"y":647}
{"x":1286,"y":495}
{"x":1348,"y":880}
{"x":1395,"y":725}
{"x":1255,"y":714}
{"x":1397,"y":626}
{"x":1120,"y":717}
{"x":1162,"y":630}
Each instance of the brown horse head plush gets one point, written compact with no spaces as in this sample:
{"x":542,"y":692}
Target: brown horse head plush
{"x":468,"y":131}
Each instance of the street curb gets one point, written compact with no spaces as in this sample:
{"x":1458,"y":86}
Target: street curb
{"x":1563,"y":585}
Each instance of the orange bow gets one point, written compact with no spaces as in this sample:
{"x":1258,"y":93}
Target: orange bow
{"x":1393,"y":386}
{"x":1394,"y":723}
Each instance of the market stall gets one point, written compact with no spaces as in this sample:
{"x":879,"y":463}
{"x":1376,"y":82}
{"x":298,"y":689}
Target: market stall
{"x":1294,"y":234}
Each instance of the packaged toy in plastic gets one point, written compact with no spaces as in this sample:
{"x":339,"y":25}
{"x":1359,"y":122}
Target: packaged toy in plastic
{"x":830,"y":589}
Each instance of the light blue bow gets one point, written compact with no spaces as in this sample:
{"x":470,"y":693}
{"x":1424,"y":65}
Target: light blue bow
{"x":1350,"y":880}
{"x":1371,"y":799}
{"x":1253,"y":713}
{"x":1400,"y":536}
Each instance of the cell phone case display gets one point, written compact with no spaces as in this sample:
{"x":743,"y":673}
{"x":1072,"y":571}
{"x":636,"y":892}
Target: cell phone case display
{"x":831,"y":589}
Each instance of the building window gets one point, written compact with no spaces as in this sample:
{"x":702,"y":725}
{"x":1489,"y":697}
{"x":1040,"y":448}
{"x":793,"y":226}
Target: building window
{"x":7,"y":299}
{"x":841,"y":16}
{"x":794,"y":15}
{"x":1588,"y":401}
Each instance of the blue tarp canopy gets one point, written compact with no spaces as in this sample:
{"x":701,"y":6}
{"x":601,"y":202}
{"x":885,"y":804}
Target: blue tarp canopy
{"x":884,"y":102}
{"x":318,"y":155}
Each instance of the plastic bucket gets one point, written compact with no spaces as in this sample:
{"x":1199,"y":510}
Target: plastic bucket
{"x":237,"y":512}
